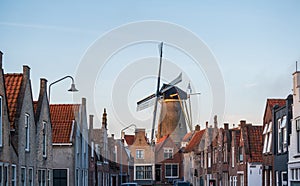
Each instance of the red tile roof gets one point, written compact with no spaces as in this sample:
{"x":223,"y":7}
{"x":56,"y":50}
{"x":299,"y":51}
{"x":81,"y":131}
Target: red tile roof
{"x":255,"y":143}
{"x":129,"y":139}
{"x":62,"y":116}
{"x":273,"y":102}
{"x":194,"y":142}
{"x":13,"y":84}
{"x":187,"y":137}
{"x":162,"y":139}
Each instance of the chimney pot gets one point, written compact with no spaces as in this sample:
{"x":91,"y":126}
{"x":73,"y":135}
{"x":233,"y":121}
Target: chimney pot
{"x":26,"y":72}
{"x":226,"y":126}
{"x":197,"y":128}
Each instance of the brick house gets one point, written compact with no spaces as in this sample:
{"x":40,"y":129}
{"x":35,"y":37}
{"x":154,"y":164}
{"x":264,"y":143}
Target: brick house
{"x":282,"y":117}
{"x":103,"y":169}
{"x":144,"y":158}
{"x":44,"y":156}
{"x":63,"y":127}
{"x":168,"y":161}
{"x":191,"y":160}
{"x":294,"y":147}
{"x":268,"y":142}
{"x":246,"y":155}
{"x":23,"y":126}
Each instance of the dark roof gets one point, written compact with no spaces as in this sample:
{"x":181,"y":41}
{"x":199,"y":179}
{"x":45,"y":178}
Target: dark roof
{"x":62,"y":116}
{"x":129,"y":139}
{"x":172,"y":92}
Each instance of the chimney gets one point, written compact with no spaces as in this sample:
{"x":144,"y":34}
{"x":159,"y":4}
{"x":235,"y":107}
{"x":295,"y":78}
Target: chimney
{"x":43,"y":86}
{"x":83,"y":101}
{"x":91,"y":122}
{"x":104,"y":120}
{"x":206,"y":124}
{"x":1,"y":57}
{"x":197,"y":128}
{"x":242,"y":123}
{"x":226,"y":126}
{"x":26,"y":72}
{"x":215,"y":121}
{"x":113,"y":136}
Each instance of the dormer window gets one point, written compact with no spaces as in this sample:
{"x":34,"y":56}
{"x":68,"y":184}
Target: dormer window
{"x":44,"y":139}
{"x":168,"y":153}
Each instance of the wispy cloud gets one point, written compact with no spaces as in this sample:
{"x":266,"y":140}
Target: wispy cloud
{"x":48,"y":27}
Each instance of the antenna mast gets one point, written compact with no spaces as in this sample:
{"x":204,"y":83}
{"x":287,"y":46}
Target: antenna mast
{"x":157,"y":93}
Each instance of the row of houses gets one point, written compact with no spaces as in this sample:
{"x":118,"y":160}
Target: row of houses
{"x":52,"y":144}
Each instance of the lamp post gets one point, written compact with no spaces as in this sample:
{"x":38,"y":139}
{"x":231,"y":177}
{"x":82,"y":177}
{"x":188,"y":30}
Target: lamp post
{"x":72,"y":89}
{"x":121,"y":158}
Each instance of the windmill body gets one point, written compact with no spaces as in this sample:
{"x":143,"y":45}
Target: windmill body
{"x":172,"y":120}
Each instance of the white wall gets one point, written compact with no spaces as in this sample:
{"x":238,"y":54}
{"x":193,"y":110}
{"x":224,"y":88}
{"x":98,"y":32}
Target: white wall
{"x":254,"y":173}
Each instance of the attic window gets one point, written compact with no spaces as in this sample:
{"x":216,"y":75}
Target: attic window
{"x":270,"y":127}
{"x":283,"y":122}
{"x":265,"y":129}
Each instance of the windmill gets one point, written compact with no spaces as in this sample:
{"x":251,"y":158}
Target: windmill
{"x":173,"y":117}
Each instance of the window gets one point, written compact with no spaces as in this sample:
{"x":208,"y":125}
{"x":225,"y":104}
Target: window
{"x":234,"y":181}
{"x":215,"y":158}
{"x":1,"y":132}
{"x":284,"y":133}
{"x":298,"y":134}
{"x":279,"y":137}
{"x":241,"y":176}
{"x":270,"y":178}
{"x":44,"y":139}
{"x":42,"y":177}
{"x":60,"y":177}
{"x":139,"y":154}
{"x":115,"y":154}
{"x":30,"y":175}
{"x":5,"y":175}
{"x":49,"y":177}
{"x":143,"y":172}
{"x":225,"y":158}
{"x":168,"y":153}
{"x":284,"y":178}
{"x":13,"y":175}
{"x":1,"y":173}
{"x":27,"y":129}
{"x":225,"y":178}
{"x":277,"y":178}
{"x":92,"y":149}
{"x":23,"y":176}
{"x":266,"y":177}
{"x":171,"y":171}
{"x":208,"y":159}
{"x":241,"y":157}
{"x":202,"y":159}
{"x":232,"y":157}
{"x":230,"y":180}
{"x":265,"y":134}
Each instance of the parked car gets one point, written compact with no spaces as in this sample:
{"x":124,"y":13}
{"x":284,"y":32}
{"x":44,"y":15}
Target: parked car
{"x":181,"y":183}
{"x":129,"y":184}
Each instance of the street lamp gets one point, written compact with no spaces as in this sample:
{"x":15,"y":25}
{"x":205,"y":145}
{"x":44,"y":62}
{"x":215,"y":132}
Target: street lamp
{"x":72,"y":89}
{"x":122,"y":145}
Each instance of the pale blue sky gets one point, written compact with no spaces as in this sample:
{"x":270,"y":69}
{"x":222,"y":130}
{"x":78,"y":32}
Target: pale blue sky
{"x":255,"y":43}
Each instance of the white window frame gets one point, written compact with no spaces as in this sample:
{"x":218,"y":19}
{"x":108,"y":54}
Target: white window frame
{"x":13,"y":175}
{"x":92,"y":149}
{"x":140,"y":155}
{"x":172,"y":164}
{"x":1,"y":130}
{"x":284,"y":183}
{"x":209,"y":159}
{"x":144,"y":171}
{"x":232,"y":156}
{"x":279,"y":136}
{"x":5,"y":174}
{"x":23,"y":169}
{"x":30,"y":169}
{"x":242,"y":179}
{"x":49,"y":177}
{"x":44,"y":149}
{"x":277,"y":178}
{"x":27,"y":131}
{"x":234,"y":180}
{"x":168,"y":153}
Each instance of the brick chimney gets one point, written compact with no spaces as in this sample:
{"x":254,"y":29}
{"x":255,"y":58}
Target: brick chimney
{"x":104,"y":119}
{"x":197,"y":128}
{"x":26,"y":72}
{"x":242,"y":123}
{"x":206,"y":124}
{"x":215,"y":121}
{"x":226,"y":126}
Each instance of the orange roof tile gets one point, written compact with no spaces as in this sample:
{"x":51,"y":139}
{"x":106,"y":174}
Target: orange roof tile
{"x":195,"y":140}
{"x":255,"y":143}
{"x":62,"y":116}
{"x":162,"y":139}
{"x":13,"y":84}
{"x":273,"y":102}
{"x":187,"y":137}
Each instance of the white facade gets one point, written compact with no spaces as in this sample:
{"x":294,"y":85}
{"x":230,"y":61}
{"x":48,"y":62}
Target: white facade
{"x":294,"y":148}
{"x":254,"y":172}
